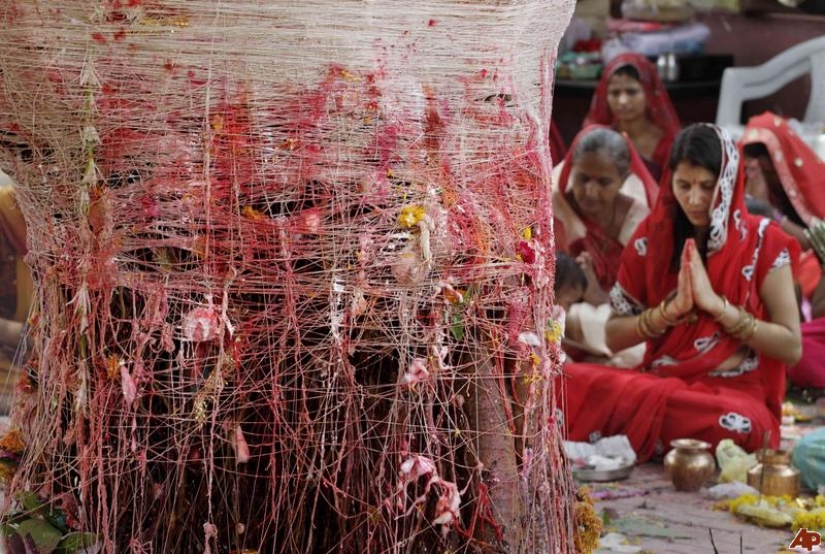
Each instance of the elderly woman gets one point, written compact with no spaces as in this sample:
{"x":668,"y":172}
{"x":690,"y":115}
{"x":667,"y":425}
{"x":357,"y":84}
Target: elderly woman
{"x":603,"y":193}
{"x":709,"y":289}
{"x":630,"y":98}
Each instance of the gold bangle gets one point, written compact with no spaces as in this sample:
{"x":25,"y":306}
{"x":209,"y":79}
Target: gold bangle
{"x":639,"y":328}
{"x":641,"y":324}
{"x":739,"y":322}
{"x":663,"y":315}
{"x":651,"y":328}
{"x":725,"y":305}
{"x":752,"y":331}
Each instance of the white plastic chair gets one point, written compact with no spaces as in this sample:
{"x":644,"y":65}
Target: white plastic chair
{"x":747,"y":83}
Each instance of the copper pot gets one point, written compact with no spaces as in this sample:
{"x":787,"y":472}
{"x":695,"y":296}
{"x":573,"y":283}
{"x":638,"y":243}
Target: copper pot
{"x":774,"y":475}
{"x":689,"y":465}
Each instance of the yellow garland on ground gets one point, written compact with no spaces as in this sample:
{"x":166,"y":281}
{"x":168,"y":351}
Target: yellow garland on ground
{"x":778,"y":511}
{"x":588,"y":524}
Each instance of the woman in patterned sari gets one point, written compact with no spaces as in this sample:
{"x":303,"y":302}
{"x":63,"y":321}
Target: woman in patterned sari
{"x":709,"y":288}
{"x":631,"y":98}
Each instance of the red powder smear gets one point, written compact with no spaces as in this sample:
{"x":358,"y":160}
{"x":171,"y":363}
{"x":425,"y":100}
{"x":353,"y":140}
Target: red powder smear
{"x":431,"y":23}
{"x":120,"y":35}
{"x":99,"y":38}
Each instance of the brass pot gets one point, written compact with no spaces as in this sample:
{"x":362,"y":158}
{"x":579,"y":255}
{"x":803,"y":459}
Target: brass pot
{"x":689,"y":465}
{"x":774,"y":475}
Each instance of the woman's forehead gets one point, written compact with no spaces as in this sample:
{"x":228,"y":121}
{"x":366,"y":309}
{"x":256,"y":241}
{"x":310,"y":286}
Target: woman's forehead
{"x":598,"y":161}
{"x":689,"y":171}
{"x":622,"y":80}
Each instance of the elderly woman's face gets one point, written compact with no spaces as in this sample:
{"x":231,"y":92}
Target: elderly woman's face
{"x":596,"y":183}
{"x":626,"y":98}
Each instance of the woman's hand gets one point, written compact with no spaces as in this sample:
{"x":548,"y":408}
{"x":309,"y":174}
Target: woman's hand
{"x":593,"y":295}
{"x":704,"y":296}
{"x":683,"y":302}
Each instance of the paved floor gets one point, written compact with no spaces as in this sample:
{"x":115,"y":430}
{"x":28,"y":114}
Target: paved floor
{"x":663,"y":521}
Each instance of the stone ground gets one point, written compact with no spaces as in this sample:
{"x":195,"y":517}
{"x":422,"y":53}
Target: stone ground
{"x":659,"y":520}
{"x":662,"y":521}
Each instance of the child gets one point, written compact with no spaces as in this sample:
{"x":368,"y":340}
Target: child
{"x":570,"y":281}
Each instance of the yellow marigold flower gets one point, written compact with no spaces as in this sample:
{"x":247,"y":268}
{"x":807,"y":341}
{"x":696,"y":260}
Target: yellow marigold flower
{"x":553,"y":333}
{"x":411,"y":215}
{"x":12,"y":442}
{"x":252,"y":213}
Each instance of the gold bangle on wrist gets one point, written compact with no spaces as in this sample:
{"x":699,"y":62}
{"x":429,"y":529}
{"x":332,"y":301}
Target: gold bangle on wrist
{"x":669,"y":322}
{"x":745,"y":337}
{"x":725,"y":305}
{"x":745,"y":326}
{"x":646,"y":326}
{"x":639,"y":326}
{"x":739,"y":322}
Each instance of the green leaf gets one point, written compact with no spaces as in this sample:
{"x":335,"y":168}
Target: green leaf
{"x":30,"y":501}
{"x":73,"y":542}
{"x":457,"y":328}
{"x":44,"y":535}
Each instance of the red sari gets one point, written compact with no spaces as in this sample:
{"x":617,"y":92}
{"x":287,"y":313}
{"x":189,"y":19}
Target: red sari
{"x":580,"y":234}
{"x":802,"y":174}
{"x":677,"y":392}
{"x":660,"y":110}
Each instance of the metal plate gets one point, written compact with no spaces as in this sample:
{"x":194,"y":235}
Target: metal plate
{"x":585,"y":474}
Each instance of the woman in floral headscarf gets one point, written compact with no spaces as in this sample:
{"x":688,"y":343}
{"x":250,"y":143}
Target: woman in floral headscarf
{"x":630,"y":98}
{"x":709,"y":288}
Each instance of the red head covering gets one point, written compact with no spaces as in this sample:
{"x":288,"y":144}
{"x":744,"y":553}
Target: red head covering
{"x":660,"y":109}
{"x":742,"y":249}
{"x":605,"y":251}
{"x":637,"y":166}
{"x":800,"y":170}
{"x":557,"y":148}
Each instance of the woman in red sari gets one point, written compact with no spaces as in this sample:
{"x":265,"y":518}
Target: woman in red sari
{"x":630,"y":98}
{"x":719,"y":319}
{"x":784,"y":172}
{"x":604,"y":191}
